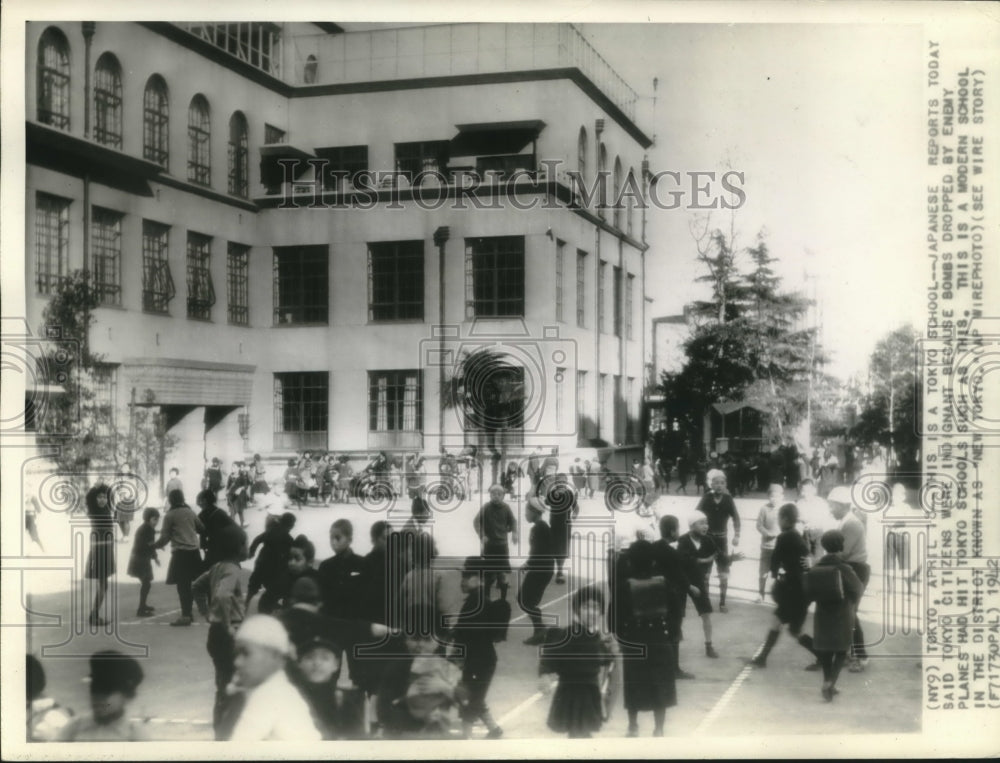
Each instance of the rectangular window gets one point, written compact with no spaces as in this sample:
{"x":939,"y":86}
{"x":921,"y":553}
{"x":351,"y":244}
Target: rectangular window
{"x":301,"y":410}
{"x":106,"y":255}
{"x":631,"y":420}
{"x":629,"y":306}
{"x":301,"y":285}
{"x":395,"y":408}
{"x":201,"y":290}
{"x":560,"y":264}
{"x":343,"y":163}
{"x":105,"y":385}
{"x":157,"y":281}
{"x":582,"y":423}
{"x":606,"y":425}
{"x":396,"y":281}
{"x":422,"y":156}
{"x":495,"y":277}
{"x":617,"y":297}
{"x":237,"y":283}
{"x":51,"y":241}
{"x":601,"y":278}
{"x":581,"y":288}
{"x":273,"y":134}
{"x":617,"y":410}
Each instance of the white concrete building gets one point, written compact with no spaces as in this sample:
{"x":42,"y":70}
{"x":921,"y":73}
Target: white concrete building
{"x":266,"y":306}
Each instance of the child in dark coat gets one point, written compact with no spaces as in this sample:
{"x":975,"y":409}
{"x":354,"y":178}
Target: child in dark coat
{"x":698,"y":550}
{"x":789,"y":563}
{"x":473,"y":632}
{"x":833,"y":623}
{"x":140,"y":563}
{"x":537,"y":571}
{"x":270,"y":571}
{"x":643,"y":615}
{"x":577,"y":657}
{"x":214,"y":519}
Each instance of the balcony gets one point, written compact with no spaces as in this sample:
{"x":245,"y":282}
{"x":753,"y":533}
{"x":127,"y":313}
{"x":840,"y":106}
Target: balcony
{"x":443,"y":50}
{"x":255,"y":43}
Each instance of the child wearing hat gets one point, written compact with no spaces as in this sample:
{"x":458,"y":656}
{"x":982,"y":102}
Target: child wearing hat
{"x":833,"y":621}
{"x":213,"y":477}
{"x":698,"y":550}
{"x":273,"y":708}
{"x":219,"y":595}
{"x":473,"y":632}
{"x":577,"y":657}
{"x":537,"y":570}
{"x":114,"y":678}
{"x":492,"y":524}
{"x":418,"y":690}
{"x":46,"y":718}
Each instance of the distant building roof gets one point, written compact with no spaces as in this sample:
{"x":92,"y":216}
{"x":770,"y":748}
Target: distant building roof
{"x":732,"y":406}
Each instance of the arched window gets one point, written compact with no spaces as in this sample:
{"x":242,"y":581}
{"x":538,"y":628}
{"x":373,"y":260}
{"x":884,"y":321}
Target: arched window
{"x":199,"y":134}
{"x":602,"y":180}
{"x":155,"y":121}
{"x":53,"y":79}
{"x":616,"y":190}
{"x":239,"y":165}
{"x":108,"y":101}
{"x":311,"y":71}
{"x":581,"y":153}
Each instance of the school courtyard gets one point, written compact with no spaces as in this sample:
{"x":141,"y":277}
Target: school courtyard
{"x":726,"y":699}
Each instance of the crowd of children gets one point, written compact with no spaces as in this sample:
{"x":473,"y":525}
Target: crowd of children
{"x":418,"y":645}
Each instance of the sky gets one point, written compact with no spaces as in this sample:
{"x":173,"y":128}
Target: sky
{"x":826,"y":123}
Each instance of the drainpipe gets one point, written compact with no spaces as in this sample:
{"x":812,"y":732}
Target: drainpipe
{"x":88,"y":28}
{"x":441,"y":236}
{"x":598,"y":130}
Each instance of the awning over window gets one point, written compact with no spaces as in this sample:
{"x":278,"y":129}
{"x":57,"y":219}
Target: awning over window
{"x":272,"y":173}
{"x":163,"y":381}
{"x":489,"y":138}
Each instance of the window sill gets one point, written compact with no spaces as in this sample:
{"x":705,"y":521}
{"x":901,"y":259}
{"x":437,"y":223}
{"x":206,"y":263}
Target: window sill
{"x":200,"y":320}
{"x":397,"y":322}
{"x":157,"y":313}
{"x":299,"y":325}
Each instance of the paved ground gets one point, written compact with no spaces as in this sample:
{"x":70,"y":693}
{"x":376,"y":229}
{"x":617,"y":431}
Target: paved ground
{"x":726,"y":698}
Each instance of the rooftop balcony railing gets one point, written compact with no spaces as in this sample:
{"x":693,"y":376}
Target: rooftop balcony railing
{"x":452,"y":49}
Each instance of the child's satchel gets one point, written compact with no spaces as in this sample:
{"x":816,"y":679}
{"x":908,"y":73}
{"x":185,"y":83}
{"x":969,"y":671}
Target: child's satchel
{"x":824,"y":584}
{"x":498,"y":614}
{"x":649,"y":599}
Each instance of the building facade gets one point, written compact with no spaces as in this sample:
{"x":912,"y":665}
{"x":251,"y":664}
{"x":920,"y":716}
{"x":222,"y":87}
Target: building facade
{"x":266,"y":290}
